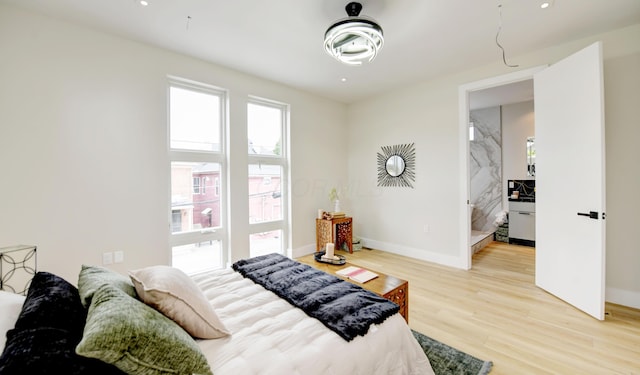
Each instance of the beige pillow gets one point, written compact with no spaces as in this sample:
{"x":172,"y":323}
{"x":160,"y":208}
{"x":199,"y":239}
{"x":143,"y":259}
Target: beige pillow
{"x":173,"y":293}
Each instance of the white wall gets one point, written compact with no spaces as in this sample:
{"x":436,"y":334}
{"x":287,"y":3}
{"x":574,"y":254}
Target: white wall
{"x":393,"y":218}
{"x":622,"y":97}
{"x":518,"y":123}
{"x":83,"y":114}
{"x":426,"y":113}
{"x":83,"y":145}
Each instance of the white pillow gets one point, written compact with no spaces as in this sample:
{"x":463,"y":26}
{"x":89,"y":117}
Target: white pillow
{"x":10,"y":307}
{"x":173,"y":293}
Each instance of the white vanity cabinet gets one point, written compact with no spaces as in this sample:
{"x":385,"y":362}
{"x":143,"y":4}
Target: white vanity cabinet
{"x":522,"y":221}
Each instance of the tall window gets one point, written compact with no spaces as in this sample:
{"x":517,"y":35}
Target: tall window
{"x":267,"y":124}
{"x":196,"y":118}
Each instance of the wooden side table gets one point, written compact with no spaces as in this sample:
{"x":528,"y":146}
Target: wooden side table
{"x":336,"y":230}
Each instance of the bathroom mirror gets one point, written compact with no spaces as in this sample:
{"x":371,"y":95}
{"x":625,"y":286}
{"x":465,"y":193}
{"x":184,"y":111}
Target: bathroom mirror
{"x":531,"y":156}
{"x":395,"y":165}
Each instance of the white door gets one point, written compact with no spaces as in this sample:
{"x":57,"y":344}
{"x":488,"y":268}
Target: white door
{"x":570,"y":180}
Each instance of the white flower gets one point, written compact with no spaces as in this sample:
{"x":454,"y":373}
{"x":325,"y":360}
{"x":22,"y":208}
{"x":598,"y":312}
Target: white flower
{"x":334,"y":195}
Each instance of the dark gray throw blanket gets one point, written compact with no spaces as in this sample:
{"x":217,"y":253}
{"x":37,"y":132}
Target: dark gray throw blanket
{"x":343,"y":307}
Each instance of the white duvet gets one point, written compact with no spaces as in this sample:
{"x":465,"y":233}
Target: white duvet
{"x":269,"y":336}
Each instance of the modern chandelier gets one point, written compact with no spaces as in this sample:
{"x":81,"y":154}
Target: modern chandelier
{"x":355,"y":39}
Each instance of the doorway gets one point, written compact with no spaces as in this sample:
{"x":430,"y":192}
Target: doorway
{"x":500,"y":83}
{"x":501,"y":128}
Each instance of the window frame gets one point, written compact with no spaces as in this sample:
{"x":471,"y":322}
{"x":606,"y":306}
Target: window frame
{"x":283,"y":161}
{"x":196,"y":185}
{"x":218,"y":233}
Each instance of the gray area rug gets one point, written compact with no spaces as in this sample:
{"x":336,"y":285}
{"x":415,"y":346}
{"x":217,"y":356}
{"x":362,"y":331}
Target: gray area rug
{"x":446,"y":360}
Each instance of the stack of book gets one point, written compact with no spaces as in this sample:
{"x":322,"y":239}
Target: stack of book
{"x":337,"y":215}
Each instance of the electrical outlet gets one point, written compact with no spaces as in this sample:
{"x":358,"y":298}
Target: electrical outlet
{"x":118,"y":257}
{"x":107,"y":258}
{"x":426,"y":228}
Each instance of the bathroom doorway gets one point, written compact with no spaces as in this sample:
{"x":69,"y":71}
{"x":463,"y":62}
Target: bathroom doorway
{"x":493,"y":91}
{"x":501,"y":120}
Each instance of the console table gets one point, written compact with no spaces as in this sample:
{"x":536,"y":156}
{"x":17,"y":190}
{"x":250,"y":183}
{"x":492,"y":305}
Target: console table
{"x":337,"y":231}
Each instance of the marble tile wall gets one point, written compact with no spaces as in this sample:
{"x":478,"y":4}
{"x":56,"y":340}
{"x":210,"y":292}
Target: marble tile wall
{"x":486,"y":168}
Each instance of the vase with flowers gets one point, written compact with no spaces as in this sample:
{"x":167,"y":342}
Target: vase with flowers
{"x":334,"y":196}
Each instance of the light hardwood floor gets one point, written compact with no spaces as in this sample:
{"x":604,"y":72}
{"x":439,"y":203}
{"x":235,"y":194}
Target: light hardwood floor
{"x":495,"y":312}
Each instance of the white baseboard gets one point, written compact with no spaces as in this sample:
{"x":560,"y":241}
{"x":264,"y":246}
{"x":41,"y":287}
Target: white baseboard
{"x":613,"y":295}
{"x":304,"y":250}
{"x":445,"y":260}
{"x":623,"y":297}
{"x":422,"y":254}
{"x":410,"y":252}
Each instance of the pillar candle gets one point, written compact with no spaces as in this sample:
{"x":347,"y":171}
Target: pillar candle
{"x":329,"y":250}
{"x":320,"y":213}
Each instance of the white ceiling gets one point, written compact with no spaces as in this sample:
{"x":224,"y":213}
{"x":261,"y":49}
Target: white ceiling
{"x":281,"y":40}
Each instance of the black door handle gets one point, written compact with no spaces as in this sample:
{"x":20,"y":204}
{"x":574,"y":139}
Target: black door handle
{"x":591,"y":214}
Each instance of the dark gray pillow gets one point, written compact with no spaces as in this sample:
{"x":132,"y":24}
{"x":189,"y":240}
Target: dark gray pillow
{"x":47,"y":331}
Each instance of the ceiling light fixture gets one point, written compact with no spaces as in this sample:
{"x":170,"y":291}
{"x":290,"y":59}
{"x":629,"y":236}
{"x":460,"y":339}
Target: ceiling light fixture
{"x":355,"y":39}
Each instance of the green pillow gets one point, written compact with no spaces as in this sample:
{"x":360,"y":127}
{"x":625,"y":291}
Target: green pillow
{"x":92,"y":277}
{"x":136,"y":338}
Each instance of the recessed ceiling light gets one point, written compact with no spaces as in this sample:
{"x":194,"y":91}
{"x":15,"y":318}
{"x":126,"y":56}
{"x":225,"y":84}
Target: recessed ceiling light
{"x":546,"y":4}
{"x":144,"y":3}
{"x":343,"y":79}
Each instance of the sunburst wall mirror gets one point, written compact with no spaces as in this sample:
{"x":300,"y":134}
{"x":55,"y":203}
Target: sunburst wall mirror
{"x":396,"y":165}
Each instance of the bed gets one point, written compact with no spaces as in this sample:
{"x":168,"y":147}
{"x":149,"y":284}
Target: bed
{"x":158,"y":320}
